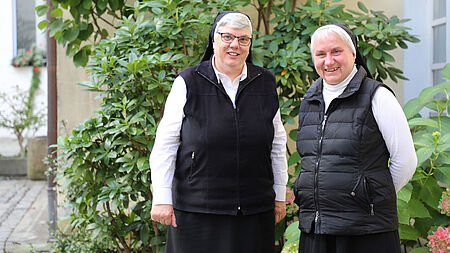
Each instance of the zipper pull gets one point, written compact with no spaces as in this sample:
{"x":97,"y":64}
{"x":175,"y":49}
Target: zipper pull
{"x":193,"y":155}
{"x":317,"y":216}
{"x":324,"y":121}
{"x":372,"y":213}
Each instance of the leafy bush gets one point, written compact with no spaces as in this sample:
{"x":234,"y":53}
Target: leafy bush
{"x":418,"y":201}
{"x":106,"y":175}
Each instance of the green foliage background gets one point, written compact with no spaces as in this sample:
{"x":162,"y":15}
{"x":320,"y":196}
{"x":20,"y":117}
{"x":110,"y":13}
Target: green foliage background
{"x":106,"y":173}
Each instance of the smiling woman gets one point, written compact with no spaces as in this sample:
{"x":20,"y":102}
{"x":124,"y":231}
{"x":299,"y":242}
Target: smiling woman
{"x":219,"y":168}
{"x":350,"y":126}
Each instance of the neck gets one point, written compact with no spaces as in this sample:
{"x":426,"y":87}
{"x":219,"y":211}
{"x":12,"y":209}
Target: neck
{"x":231,"y":72}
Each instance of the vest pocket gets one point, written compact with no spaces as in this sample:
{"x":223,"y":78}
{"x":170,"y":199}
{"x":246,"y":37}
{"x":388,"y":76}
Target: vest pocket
{"x":362,"y":194}
{"x":192,"y":167}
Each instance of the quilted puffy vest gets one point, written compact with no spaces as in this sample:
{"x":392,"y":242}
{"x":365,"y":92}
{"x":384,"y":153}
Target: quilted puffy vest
{"x":344,"y":186}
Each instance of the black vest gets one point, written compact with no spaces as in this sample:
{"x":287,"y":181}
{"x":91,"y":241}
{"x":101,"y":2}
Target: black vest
{"x":344,"y":186}
{"x":223,"y":162}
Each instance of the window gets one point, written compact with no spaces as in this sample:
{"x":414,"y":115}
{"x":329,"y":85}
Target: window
{"x":25,"y":31}
{"x":439,"y":27}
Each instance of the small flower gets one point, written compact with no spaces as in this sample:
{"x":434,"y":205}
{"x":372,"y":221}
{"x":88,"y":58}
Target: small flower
{"x":15,"y":64}
{"x":444,"y":203}
{"x":23,"y":59}
{"x":29,"y":52}
{"x":439,"y":241}
{"x":289,"y":195}
{"x":36,"y":69}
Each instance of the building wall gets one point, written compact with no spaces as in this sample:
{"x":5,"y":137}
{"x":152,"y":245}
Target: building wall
{"x":76,"y":105}
{"x":12,"y":76}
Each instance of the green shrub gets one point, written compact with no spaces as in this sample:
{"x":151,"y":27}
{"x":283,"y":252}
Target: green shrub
{"x":418,"y":201}
{"x":106,"y":177}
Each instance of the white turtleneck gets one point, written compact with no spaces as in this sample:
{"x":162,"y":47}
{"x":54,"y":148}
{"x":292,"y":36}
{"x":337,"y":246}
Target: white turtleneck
{"x":393,"y":126}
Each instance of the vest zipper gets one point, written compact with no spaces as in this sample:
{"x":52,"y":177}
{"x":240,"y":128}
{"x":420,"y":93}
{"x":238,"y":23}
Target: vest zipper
{"x":237,"y":127}
{"x":316,"y":176}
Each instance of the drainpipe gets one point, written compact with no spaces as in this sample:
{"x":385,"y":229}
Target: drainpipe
{"x":51,"y":126}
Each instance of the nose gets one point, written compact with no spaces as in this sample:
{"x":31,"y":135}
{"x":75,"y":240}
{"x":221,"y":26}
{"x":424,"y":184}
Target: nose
{"x":329,"y":59}
{"x":234,"y":43}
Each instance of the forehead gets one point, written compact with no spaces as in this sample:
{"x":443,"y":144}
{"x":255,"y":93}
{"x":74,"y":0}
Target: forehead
{"x":329,"y":40}
{"x":235,"y":31}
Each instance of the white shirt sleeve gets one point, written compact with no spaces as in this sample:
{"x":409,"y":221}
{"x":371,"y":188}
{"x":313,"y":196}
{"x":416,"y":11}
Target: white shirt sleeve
{"x":164,"y":152}
{"x":279,"y":161}
{"x":396,"y":133}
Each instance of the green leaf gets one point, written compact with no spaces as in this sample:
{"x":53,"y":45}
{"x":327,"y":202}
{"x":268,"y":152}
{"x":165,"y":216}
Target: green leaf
{"x":408,"y":232}
{"x":377,"y":54}
{"x":423,"y":122}
{"x":144,"y":233}
{"x":362,"y":7}
{"x":80,"y":58}
{"x":292,"y":233}
{"x":71,"y":34}
{"x":443,"y":174}
{"x":405,"y":193}
{"x":43,"y":24}
{"x":56,"y":13}
{"x":416,"y":209}
{"x":142,"y":163}
{"x":41,"y":10}
{"x":423,"y":154}
{"x":446,"y":71}
{"x":431,"y":192}
{"x":420,"y":250}
{"x":403,"y":214}
{"x":412,"y":107}
{"x":293,"y":159}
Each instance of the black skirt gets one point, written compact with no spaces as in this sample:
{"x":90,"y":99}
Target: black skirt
{"x":386,"y":242}
{"x":212,"y":233}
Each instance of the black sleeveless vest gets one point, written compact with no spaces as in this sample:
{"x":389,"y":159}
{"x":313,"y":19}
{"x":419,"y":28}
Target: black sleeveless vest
{"x":344,"y":186}
{"x":223,"y":162}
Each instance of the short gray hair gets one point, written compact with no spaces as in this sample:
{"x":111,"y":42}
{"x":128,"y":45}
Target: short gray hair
{"x":234,"y":20}
{"x":325,"y":30}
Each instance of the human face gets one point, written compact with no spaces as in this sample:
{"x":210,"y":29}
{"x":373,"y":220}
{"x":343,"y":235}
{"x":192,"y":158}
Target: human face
{"x":230,"y":57}
{"x":333,"y":58}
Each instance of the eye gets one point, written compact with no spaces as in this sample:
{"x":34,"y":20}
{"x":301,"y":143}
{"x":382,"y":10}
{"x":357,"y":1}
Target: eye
{"x":227,"y":37}
{"x":244,"y":39}
{"x":320,"y":54}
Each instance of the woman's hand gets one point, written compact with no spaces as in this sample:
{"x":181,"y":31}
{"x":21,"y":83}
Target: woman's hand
{"x":280,"y":210}
{"x":164,"y":214}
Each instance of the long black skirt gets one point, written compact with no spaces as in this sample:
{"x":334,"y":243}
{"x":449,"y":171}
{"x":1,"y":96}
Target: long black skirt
{"x":212,"y":233}
{"x":386,"y":242}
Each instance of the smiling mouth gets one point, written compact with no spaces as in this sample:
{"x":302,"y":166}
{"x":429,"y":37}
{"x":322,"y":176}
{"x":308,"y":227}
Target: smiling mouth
{"x":331,"y":70}
{"x":233,"y":54}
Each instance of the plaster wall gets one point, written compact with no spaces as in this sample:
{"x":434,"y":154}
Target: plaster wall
{"x":12,"y":76}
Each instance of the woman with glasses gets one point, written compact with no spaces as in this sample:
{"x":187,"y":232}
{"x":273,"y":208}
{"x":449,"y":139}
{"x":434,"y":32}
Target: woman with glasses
{"x":218,"y":165}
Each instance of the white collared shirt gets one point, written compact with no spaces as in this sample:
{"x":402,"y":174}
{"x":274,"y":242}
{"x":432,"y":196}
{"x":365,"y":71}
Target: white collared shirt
{"x":163,"y":155}
{"x":393,"y":127}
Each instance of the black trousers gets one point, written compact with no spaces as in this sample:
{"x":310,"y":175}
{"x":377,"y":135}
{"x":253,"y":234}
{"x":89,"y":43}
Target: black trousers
{"x":386,"y":242}
{"x":212,"y":233}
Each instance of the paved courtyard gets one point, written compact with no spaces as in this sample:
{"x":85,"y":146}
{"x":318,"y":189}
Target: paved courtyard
{"x":23,"y":215}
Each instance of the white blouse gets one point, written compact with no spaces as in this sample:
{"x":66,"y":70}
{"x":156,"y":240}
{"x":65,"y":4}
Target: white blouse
{"x":163,"y":155}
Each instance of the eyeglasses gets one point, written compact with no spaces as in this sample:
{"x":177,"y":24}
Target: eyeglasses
{"x":228,"y":38}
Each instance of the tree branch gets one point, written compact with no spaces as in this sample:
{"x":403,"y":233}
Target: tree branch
{"x":121,"y":238}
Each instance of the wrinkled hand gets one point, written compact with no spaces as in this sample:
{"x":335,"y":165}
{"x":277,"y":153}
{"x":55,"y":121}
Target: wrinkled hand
{"x":280,"y":210}
{"x":164,"y":214}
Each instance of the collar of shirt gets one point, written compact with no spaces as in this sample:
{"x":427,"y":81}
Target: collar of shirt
{"x":340,"y":87}
{"x":225,"y":79}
